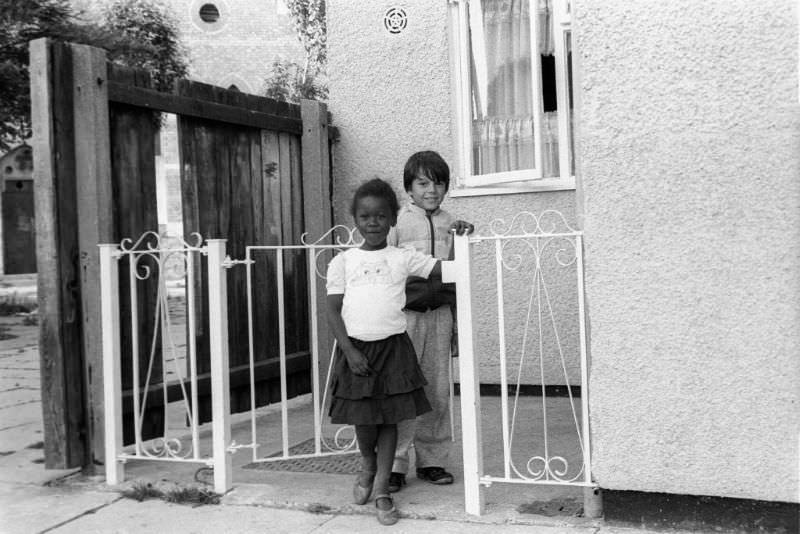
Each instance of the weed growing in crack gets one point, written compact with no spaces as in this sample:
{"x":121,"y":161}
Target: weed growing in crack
{"x":191,"y":495}
{"x":141,"y":491}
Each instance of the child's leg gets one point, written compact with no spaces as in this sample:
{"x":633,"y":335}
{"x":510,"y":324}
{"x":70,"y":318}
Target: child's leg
{"x":405,"y":437}
{"x":367,"y":436}
{"x":433,"y":438}
{"x":387,"y":442}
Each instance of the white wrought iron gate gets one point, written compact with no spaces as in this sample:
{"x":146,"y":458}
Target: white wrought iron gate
{"x":169,"y":353}
{"x":536,"y":249}
{"x":539,"y":338}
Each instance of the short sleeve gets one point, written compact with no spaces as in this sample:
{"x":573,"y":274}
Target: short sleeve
{"x":392,"y":239}
{"x":335,"y":278}
{"x":418,"y":264}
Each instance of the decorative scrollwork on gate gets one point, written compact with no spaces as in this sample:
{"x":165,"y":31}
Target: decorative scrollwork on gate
{"x":152,"y":258}
{"x":526,"y":223}
{"x":337,"y":238}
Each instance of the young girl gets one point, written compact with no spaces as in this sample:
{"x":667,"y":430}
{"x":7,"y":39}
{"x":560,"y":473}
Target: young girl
{"x":377,"y":380}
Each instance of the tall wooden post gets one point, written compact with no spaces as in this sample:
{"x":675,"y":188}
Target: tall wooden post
{"x":57,"y":250}
{"x":96,"y":222}
{"x":317,"y":214}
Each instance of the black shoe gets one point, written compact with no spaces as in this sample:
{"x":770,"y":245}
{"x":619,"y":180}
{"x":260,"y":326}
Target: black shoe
{"x":435,"y":475}
{"x":396,"y":481}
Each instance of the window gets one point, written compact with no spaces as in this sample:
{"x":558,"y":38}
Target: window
{"x":513,"y":80}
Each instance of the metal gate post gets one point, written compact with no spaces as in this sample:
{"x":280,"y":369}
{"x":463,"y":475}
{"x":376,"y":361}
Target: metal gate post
{"x":220,"y":368}
{"x":112,"y":374}
{"x":460,"y":272}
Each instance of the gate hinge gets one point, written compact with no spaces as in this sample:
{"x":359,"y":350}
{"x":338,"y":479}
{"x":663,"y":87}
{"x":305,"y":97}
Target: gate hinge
{"x":234,"y":447}
{"x":228,"y":263}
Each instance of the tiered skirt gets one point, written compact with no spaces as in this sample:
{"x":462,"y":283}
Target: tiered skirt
{"x":392,"y":392}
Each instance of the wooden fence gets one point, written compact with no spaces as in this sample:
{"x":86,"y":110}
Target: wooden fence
{"x":253,"y":170}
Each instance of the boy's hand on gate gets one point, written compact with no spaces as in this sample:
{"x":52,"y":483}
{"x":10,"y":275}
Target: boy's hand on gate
{"x":357,"y":362}
{"x":462,"y":227}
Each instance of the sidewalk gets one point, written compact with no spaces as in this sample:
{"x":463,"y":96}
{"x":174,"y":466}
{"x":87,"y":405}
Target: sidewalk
{"x":34,"y":500}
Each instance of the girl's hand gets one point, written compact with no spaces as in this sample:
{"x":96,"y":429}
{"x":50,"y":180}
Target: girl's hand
{"x":357,"y":362}
{"x":462,"y":227}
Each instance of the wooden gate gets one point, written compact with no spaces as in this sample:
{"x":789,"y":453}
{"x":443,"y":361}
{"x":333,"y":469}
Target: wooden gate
{"x":253,"y":171}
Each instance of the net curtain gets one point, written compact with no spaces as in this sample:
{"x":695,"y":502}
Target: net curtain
{"x":502,"y":86}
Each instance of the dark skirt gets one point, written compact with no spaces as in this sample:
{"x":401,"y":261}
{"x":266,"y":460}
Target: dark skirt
{"x":391,"y":393}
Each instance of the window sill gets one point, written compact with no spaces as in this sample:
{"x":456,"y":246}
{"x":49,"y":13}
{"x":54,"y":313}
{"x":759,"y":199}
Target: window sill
{"x":533,"y":186}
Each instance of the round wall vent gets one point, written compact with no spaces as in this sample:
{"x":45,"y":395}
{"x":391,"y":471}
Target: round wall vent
{"x":395,"y":20}
{"x":209,"y":13}
{"x":209,"y":16}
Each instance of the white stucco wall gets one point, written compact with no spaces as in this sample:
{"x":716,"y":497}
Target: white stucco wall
{"x":390,"y":96}
{"x":690,"y":135}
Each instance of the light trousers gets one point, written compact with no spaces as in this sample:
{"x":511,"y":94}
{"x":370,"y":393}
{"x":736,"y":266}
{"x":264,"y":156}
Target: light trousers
{"x":430,"y":433}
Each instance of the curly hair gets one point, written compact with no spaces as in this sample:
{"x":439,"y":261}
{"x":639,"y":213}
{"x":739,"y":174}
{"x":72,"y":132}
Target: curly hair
{"x":376,"y":188}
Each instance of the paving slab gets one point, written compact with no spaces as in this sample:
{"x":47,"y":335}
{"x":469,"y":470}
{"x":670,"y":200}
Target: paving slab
{"x":7,"y":383}
{"x":26,"y":466}
{"x":153,"y":516}
{"x":32,"y":508}
{"x":12,"y":440}
{"x":17,"y":396}
{"x":15,"y":416}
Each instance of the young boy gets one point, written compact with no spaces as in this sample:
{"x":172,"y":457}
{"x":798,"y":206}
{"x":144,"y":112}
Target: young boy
{"x":424,"y":226}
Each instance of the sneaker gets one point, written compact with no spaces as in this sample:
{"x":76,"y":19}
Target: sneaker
{"x":435,"y":475}
{"x":396,"y":481}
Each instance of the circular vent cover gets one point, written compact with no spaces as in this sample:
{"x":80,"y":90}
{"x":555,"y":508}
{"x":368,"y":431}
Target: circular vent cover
{"x":395,"y":20}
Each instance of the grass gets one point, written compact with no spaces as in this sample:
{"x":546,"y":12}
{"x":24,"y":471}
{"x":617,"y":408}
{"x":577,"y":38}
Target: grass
{"x":4,"y":333}
{"x":193,"y":495}
{"x":13,"y":306}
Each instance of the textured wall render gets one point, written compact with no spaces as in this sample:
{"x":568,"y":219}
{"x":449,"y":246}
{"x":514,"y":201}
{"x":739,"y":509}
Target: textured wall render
{"x":391,"y":96}
{"x":690,"y":132}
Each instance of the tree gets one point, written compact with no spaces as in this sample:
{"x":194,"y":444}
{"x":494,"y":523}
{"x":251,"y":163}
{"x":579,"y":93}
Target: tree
{"x":152,"y":38}
{"x":136,"y":33}
{"x":290,"y":81}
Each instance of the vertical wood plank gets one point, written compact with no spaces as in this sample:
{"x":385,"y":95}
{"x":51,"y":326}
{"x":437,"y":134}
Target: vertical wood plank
{"x":300,"y":283}
{"x":289,"y":272}
{"x":240,"y":235}
{"x":132,"y":133}
{"x":270,"y":154}
{"x":55,"y":199}
{"x":95,"y":224}
{"x":293,"y":259}
{"x":317,"y":198}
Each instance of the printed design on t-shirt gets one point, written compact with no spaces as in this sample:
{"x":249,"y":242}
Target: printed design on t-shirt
{"x":374,"y":273}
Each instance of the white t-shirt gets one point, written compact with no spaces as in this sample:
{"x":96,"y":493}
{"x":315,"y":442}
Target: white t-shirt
{"x":374,"y":286}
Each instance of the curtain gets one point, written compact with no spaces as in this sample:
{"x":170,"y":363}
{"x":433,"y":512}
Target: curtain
{"x":502,"y":105}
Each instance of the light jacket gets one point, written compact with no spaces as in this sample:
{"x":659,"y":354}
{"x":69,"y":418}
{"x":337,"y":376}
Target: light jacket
{"x":429,"y":235}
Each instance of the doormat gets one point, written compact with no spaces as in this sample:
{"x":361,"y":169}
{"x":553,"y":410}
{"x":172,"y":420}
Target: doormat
{"x":337,"y":464}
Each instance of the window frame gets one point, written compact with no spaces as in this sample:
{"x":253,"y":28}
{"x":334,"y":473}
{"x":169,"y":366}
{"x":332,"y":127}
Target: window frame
{"x":521,"y":181}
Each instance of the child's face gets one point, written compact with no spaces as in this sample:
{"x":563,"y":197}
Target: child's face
{"x":427,"y":194}
{"x":373,"y":218}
